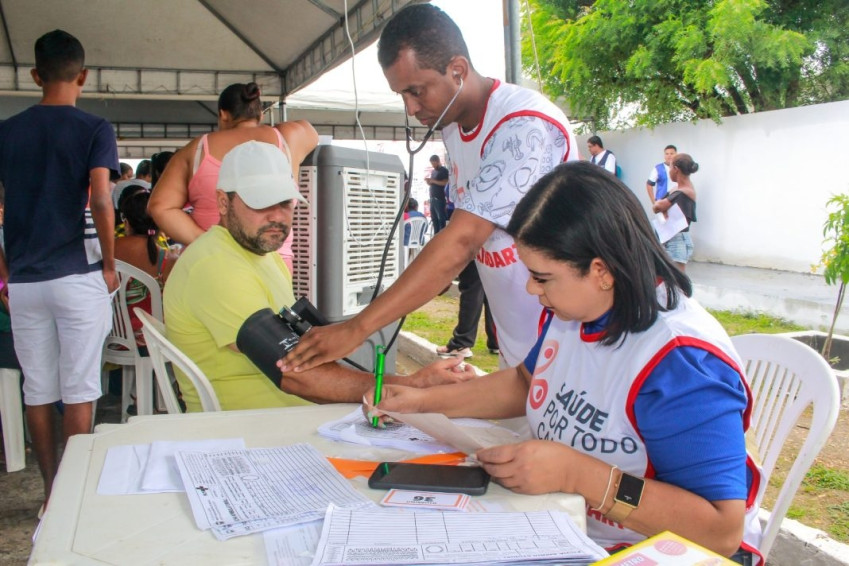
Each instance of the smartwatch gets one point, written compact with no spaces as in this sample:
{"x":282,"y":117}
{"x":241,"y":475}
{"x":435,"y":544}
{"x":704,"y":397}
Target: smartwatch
{"x":629,"y":492}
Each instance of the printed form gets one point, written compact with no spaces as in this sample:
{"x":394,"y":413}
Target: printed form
{"x":423,"y":537}
{"x":239,"y":492}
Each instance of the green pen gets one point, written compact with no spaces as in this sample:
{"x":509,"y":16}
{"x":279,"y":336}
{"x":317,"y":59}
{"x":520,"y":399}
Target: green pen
{"x":379,"y":362}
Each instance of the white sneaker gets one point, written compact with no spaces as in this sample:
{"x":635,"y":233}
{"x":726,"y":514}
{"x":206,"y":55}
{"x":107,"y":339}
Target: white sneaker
{"x":446,"y":353}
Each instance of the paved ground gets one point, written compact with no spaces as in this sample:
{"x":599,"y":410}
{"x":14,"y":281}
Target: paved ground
{"x":803,"y":298}
{"x":21,"y":495}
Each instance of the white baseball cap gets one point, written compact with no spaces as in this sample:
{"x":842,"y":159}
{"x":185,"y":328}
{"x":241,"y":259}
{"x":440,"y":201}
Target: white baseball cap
{"x":259,"y":173}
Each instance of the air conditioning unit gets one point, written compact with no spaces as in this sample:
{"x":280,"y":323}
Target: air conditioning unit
{"x":339,"y":237}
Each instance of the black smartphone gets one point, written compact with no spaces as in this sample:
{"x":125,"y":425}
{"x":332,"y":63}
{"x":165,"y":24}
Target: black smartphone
{"x":471,"y":480}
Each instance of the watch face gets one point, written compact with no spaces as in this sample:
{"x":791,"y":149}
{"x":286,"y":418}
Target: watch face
{"x":630,"y":490}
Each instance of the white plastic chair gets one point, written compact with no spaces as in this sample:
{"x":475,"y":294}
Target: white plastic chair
{"x":12,"y":419}
{"x":163,"y":351}
{"x":786,"y":377}
{"x":418,"y":225}
{"x":120,"y":346}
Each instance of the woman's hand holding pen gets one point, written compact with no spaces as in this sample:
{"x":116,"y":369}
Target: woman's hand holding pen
{"x":395,"y":398}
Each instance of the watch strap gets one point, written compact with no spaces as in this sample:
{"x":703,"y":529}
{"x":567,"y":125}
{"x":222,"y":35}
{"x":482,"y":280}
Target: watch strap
{"x":620,"y":511}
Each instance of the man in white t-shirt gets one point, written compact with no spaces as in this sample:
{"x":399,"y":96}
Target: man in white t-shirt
{"x":659,"y":183}
{"x":500,"y":140}
{"x":600,"y":156}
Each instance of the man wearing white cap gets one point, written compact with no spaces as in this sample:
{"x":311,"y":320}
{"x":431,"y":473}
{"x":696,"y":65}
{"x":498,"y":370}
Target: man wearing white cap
{"x":232,"y":271}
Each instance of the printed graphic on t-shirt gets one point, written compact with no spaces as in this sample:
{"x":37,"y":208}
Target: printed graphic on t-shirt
{"x":92,"y":245}
{"x":514,"y":157}
{"x":569,"y":416}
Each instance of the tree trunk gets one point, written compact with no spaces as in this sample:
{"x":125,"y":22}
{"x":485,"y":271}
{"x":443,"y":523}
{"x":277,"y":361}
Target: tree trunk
{"x":826,"y":348}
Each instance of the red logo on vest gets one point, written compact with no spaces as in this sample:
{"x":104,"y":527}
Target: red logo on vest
{"x":496,"y":259}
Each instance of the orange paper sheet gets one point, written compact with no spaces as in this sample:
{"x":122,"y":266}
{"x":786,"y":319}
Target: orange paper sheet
{"x":354,"y":468}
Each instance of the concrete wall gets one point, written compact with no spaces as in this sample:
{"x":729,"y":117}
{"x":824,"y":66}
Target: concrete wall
{"x":762,"y":183}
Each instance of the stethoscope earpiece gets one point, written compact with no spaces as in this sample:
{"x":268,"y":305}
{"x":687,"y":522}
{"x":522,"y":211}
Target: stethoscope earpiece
{"x":429,"y":134}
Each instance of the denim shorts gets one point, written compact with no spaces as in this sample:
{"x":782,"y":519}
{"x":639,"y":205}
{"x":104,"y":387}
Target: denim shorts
{"x":680,"y":247}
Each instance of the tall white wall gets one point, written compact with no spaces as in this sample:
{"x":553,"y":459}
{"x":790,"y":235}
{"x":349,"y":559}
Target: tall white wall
{"x":762,"y":184}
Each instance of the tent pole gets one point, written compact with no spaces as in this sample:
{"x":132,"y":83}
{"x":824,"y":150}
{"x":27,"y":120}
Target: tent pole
{"x":512,"y":41}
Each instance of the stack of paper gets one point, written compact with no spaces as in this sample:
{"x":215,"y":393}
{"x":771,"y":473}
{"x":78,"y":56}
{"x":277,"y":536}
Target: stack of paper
{"x":239,"y":492}
{"x":377,"y":536}
{"x":152,"y":468}
{"x":466,"y":435}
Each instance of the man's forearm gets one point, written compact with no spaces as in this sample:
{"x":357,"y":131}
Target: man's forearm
{"x":435,"y":267}
{"x":331,"y":383}
{"x":335,"y":383}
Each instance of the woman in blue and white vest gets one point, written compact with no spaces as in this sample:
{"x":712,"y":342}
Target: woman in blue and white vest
{"x":634,"y":394}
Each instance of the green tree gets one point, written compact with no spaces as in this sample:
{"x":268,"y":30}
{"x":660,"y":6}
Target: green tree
{"x":658,"y":61}
{"x":835,"y":258}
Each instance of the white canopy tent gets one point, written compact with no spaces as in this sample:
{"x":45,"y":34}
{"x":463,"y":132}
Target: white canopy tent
{"x":156,"y":67}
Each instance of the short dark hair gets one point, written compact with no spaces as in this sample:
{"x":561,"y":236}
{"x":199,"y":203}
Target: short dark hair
{"x":595,"y":140}
{"x":143,"y":168}
{"x":670,"y":146}
{"x":241,"y":100}
{"x":59,"y":56}
{"x":685,"y":163}
{"x":428,"y":31}
{"x":579,"y":212}
{"x":434,"y":157}
{"x":125,"y":168}
{"x":412,"y":204}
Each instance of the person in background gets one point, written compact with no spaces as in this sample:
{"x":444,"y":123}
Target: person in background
{"x":449,"y":204}
{"x":411,"y":212}
{"x":659,"y":183}
{"x":192,"y":173}
{"x":437,"y":182}
{"x":128,"y":191}
{"x":683,"y":195}
{"x":600,"y":156}
{"x":635,"y":396}
{"x":126,"y":171}
{"x":143,"y":178}
{"x":59,"y":266}
{"x":485,"y":129}
{"x":473,"y":302}
{"x":140,"y":248}
{"x":158,"y":162}
{"x":232,"y":271}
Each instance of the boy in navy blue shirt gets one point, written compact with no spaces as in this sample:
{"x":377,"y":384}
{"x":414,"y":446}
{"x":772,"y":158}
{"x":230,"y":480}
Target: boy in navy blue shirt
{"x":59,"y":264}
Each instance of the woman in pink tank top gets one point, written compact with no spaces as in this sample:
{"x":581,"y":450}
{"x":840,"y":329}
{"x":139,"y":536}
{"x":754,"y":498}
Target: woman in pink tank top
{"x":192,"y":174}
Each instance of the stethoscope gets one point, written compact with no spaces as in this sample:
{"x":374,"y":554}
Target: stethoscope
{"x":406,"y":193}
{"x":429,"y":134}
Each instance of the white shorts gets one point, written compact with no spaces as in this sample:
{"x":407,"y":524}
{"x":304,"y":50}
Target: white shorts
{"x":59,"y":328}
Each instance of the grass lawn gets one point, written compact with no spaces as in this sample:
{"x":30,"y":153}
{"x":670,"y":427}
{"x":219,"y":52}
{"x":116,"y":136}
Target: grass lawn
{"x":823,"y":499}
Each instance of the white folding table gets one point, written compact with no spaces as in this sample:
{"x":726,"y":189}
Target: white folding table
{"x":82,"y":527}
